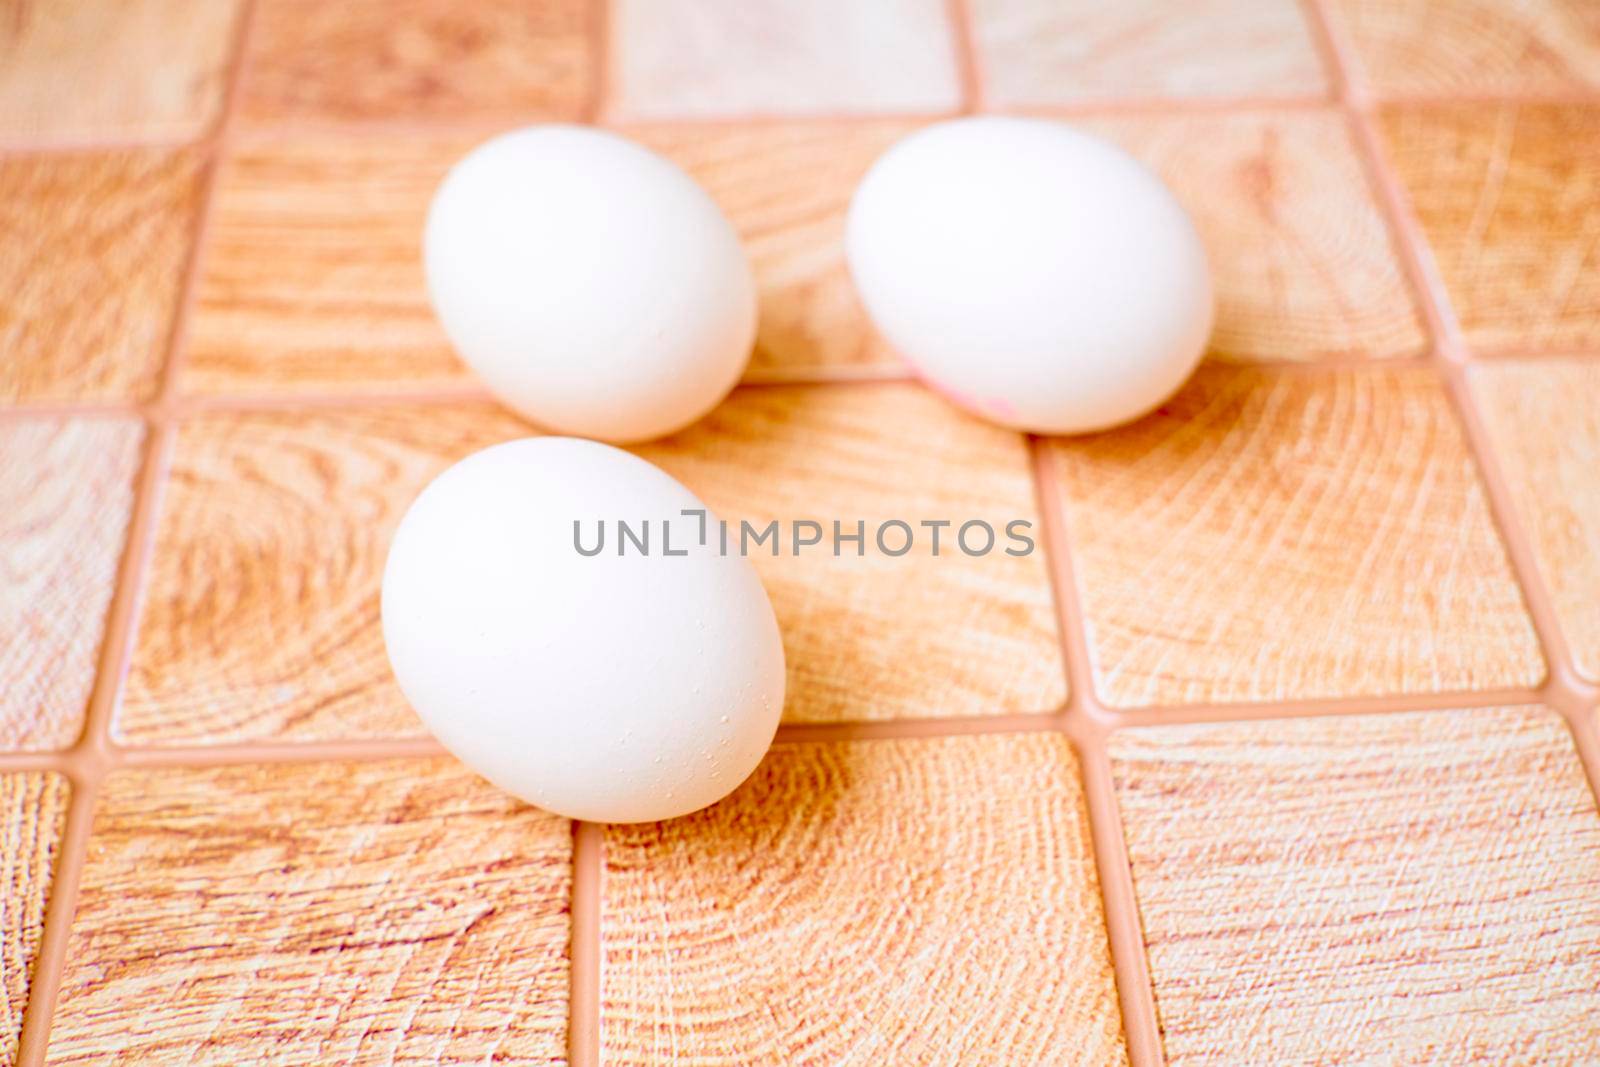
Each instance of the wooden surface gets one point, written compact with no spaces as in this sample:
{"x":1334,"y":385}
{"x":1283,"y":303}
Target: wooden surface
{"x":68,"y":488}
{"x":786,"y":187}
{"x":806,"y":919}
{"x":77,"y":70}
{"x":1277,"y":535}
{"x":1509,"y":198}
{"x":1475,"y":46}
{"x":679,"y":58}
{"x":883,"y":637}
{"x":1303,"y":265}
{"x":314,"y":62}
{"x":312,"y":277}
{"x":261,"y":618}
{"x":389,"y":912}
{"x":1545,"y":423}
{"x":32,"y":810}
{"x":1406,"y":888}
{"x":95,"y":244}
{"x":1042,"y":52}
{"x":220,"y":384}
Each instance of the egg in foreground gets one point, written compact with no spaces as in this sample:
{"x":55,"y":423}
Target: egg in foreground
{"x":591,"y":284}
{"x":622,"y":686}
{"x":1038,"y":276}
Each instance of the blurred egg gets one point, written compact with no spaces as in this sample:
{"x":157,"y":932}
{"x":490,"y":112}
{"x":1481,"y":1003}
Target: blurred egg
{"x":594,"y":287}
{"x":1036,"y":275}
{"x":619,"y":686}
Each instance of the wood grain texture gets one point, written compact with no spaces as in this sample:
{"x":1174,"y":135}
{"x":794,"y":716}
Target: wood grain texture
{"x":873,"y":636}
{"x":75,"y":70}
{"x":371,"y":913}
{"x":90,"y":271}
{"x":1302,"y":263}
{"x":67,"y":488}
{"x":1042,"y":52}
{"x":1544,"y":421}
{"x":910,"y":901}
{"x":1509,"y":197}
{"x":1283,"y":535}
{"x":681,"y":58}
{"x":786,"y":187}
{"x":260,"y":617}
{"x":313,"y":268}
{"x":1478,"y":46}
{"x":417,"y":59}
{"x":33,"y":811}
{"x":1413,"y":888}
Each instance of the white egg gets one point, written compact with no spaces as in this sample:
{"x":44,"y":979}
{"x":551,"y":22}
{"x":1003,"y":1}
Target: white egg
{"x":622,"y":686}
{"x":593,"y":285}
{"x":1039,"y":276}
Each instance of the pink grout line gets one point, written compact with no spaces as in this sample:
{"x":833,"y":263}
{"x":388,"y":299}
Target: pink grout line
{"x":583,"y":1006}
{"x":969,"y":64}
{"x":1083,"y":722}
{"x":194,"y":405}
{"x":1565,"y":690}
{"x":232,"y":753}
{"x":89,"y":760}
{"x":600,"y":22}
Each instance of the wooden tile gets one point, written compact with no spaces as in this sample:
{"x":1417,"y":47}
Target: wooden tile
{"x":417,"y":59}
{"x":1042,"y":52}
{"x":678,"y":58}
{"x":72,"y":70}
{"x":260,"y":616}
{"x":396,"y":912}
{"x":787,"y":187}
{"x":1509,"y":197}
{"x":1544,"y":420}
{"x":1303,"y":263}
{"x":1485,"y":47}
{"x":1317,"y":890}
{"x":91,"y":270}
{"x":1280,"y":535}
{"x":313,"y":269}
{"x":33,"y":811}
{"x":68,"y":491}
{"x":871,"y":636}
{"x":908,"y":901}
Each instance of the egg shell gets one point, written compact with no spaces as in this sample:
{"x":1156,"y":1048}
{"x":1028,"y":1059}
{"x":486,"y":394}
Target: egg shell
{"x":593,"y":286}
{"x":1036,"y":275}
{"x":613,"y":688}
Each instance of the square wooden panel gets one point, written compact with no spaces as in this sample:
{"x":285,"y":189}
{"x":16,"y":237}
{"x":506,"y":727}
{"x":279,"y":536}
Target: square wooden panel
{"x":1043,"y":52}
{"x":1411,"y":887}
{"x":391,"y":912}
{"x":67,"y":485}
{"x":927,"y":901}
{"x":417,"y":59}
{"x":678,"y":58}
{"x":312,"y":275}
{"x":1474,"y":46}
{"x":1283,"y":535}
{"x":92,"y":267}
{"x":1509,"y":197}
{"x":1544,"y":420}
{"x":873,"y":636}
{"x":787,"y":187}
{"x":76,"y":70}
{"x":1303,"y":265}
{"x":33,"y":812}
{"x":260,"y":616}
